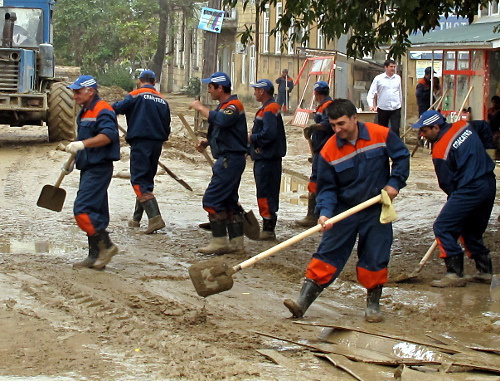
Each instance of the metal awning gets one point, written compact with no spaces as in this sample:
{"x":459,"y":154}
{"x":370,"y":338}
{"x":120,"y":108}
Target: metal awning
{"x":479,"y":35}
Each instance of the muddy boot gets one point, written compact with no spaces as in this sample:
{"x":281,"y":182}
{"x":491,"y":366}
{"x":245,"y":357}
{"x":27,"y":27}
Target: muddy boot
{"x":93,"y":253}
{"x":135,"y":222}
{"x":454,"y":273}
{"x":235,"y":232}
{"x":372,"y":310}
{"x":267,"y":233}
{"x":310,"y":219}
{"x":484,"y":268}
{"x":107,"y":250}
{"x":308,"y":294}
{"x":218,"y":244}
{"x":155,"y":221}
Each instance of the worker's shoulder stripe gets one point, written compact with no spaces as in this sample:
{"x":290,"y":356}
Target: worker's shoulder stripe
{"x":321,"y":108}
{"x":348,"y":151}
{"x":234,"y":103}
{"x":99,"y":106}
{"x":145,"y":90}
{"x":442,"y":148}
{"x":271,"y":107}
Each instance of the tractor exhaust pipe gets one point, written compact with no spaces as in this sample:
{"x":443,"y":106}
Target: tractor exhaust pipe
{"x":8,"y":29}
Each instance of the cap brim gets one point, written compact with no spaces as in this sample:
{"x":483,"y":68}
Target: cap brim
{"x":74,"y":87}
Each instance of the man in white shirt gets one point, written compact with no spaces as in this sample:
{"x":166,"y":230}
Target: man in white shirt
{"x":387,"y":87}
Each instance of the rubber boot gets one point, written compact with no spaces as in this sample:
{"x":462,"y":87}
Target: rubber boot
{"x":107,"y":250}
{"x":155,"y":221}
{"x":372,"y":310}
{"x":454,"y":273}
{"x":484,"y":267}
{"x":135,"y":222}
{"x":267,"y":233}
{"x":235,"y":232}
{"x":308,"y":294}
{"x":310,"y":219}
{"x":93,"y":253}
{"x":218,"y":243}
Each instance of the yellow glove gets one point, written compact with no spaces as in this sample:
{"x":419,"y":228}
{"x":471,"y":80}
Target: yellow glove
{"x":388,"y":213}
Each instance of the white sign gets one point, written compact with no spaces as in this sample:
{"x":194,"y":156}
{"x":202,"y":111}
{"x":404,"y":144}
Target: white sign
{"x":211,"y":20}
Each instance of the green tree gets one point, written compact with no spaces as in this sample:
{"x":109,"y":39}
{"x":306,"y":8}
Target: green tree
{"x":369,"y":23}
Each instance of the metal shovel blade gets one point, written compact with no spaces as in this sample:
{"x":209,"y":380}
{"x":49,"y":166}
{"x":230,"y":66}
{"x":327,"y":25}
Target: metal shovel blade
{"x":251,"y":226}
{"x":52,"y":198}
{"x":211,"y":277}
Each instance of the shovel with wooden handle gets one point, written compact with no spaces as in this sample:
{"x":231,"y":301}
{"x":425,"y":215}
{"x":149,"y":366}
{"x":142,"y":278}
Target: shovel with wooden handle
{"x":52,"y":197}
{"x":406,"y":277}
{"x":214,"y":275}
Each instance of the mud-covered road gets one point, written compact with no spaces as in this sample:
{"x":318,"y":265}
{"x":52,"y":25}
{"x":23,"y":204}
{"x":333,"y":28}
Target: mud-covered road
{"x":140,"y":318}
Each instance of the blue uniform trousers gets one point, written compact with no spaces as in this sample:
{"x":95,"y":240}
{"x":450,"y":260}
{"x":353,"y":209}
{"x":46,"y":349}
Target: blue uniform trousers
{"x":144,"y":156}
{"x":222,"y":192}
{"x":91,"y":208}
{"x":267,"y":174}
{"x":466,"y":215}
{"x":374,"y":246}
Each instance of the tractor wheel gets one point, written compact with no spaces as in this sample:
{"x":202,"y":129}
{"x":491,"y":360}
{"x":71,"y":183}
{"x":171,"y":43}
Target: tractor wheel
{"x":61,"y":118}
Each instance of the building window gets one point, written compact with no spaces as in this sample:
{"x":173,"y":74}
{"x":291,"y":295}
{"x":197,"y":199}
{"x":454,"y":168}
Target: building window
{"x":244,"y":68}
{"x":321,"y":39}
{"x":491,"y":9}
{"x":277,"y":41}
{"x":265,"y":31}
{"x":251,"y":66}
{"x":290,"y":40}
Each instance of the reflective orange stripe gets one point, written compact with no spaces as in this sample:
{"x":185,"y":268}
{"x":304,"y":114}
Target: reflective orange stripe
{"x":442,"y":253}
{"x":263,"y":207}
{"x":84,"y":223}
{"x":370,"y":279}
{"x":210,"y":210}
{"x":320,"y":272}
{"x":312,"y":187}
{"x":137,"y":190}
{"x":467,"y":252}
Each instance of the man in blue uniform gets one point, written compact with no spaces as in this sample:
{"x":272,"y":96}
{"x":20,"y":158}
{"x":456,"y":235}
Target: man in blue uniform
{"x":227,"y":137}
{"x":267,"y":147}
{"x":353,"y":167}
{"x":465,"y":173}
{"x":285,"y":86}
{"x":318,"y":133}
{"x":96,"y":148}
{"x":148,"y":121}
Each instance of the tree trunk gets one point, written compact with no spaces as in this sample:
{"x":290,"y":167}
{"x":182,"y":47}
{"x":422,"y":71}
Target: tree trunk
{"x":159,"y":56}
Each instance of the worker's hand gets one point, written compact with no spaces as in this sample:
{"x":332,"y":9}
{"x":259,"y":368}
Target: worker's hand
{"x":391,"y":192}
{"x":70,"y":168}
{"x":196,"y":105}
{"x":308,"y":132}
{"x":74,"y":147}
{"x":202,"y":145}
{"x":322,"y":221}
{"x":373,"y":108}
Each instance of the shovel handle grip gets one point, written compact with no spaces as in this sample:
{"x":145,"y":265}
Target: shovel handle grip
{"x":194,"y":137}
{"x":307,"y":233}
{"x":427,"y":255}
{"x":64,"y":171}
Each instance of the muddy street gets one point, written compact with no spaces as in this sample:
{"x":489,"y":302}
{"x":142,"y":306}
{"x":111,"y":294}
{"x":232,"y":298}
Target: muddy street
{"x":141,"y":319}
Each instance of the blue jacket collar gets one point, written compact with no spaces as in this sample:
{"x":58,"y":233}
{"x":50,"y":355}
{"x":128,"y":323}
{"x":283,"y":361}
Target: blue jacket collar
{"x":362,"y":134}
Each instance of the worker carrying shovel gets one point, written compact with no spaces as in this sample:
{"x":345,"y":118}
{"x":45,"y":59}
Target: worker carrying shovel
{"x":354,"y":166}
{"x":465,"y":173}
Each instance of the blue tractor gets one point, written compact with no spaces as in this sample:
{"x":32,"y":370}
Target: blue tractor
{"x":29,"y":92}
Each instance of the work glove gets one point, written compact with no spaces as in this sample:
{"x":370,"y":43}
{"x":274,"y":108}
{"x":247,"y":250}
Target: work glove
{"x":74,"y":147}
{"x":308,"y":132}
{"x":388,"y":213}
{"x":70,"y":168}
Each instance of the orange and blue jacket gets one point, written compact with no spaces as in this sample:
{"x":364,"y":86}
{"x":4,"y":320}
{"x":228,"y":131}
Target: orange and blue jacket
{"x":227,"y":128}
{"x":349,"y":174}
{"x":320,"y":137}
{"x":459,"y":157}
{"x":268,"y":140}
{"x":147,"y":112}
{"x":98,"y":118}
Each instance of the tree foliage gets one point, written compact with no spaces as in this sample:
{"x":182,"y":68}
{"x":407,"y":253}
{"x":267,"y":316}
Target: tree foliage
{"x":370,"y":24}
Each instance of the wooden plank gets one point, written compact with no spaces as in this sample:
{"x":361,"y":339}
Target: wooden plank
{"x":277,"y":358}
{"x":341,"y":363}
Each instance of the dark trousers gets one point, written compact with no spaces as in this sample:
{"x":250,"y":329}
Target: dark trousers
{"x":267,"y":174}
{"x":465,"y":215}
{"x":222,"y":192}
{"x":144,"y":156}
{"x":384,"y":117}
{"x":91,"y":208}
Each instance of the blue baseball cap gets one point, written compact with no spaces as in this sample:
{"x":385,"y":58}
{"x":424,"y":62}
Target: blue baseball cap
{"x":265,"y":84}
{"x":83,"y":81}
{"x":147,"y":74}
{"x":321,"y":85}
{"x":429,"y":118}
{"x":220,"y":78}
